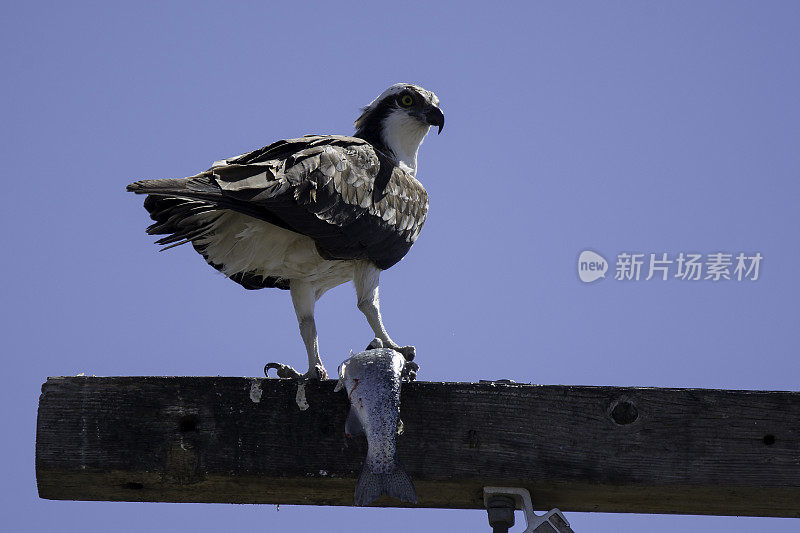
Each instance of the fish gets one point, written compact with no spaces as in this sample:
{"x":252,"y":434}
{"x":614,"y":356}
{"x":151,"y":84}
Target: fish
{"x":372,"y":381}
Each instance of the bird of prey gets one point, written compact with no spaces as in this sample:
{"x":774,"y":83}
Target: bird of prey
{"x":311,"y":213}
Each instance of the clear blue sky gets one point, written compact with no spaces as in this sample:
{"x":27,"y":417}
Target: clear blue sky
{"x":626,"y":126}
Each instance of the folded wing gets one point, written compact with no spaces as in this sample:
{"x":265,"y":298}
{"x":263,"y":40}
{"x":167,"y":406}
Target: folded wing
{"x":352,"y":200}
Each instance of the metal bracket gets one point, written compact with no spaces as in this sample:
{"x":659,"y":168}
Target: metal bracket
{"x":553,"y":521}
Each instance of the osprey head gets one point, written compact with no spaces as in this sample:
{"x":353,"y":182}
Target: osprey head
{"x":398,"y":120}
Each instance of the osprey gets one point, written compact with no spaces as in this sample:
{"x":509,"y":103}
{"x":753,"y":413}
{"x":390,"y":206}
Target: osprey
{"x":309,"y":214}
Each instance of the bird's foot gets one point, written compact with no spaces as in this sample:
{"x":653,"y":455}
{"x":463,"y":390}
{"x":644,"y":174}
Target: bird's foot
{"x":283,"y":371}
{"x":287,"y":372}
{"x":375,"y":344}
{"x":408,"y":352}
{"x":317,"y":372}
{"x":409,"y":372}
{"x":410,"y":369}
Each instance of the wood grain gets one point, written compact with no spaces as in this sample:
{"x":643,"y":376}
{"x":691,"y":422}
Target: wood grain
{"x":244,"y":440}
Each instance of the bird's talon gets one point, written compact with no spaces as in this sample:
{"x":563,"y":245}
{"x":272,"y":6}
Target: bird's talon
{"x":409,"y":352}
{"x":318,"y":372}
{"x":409,"y":372}
{"x":283,"y":371}
{"x":287,"y":372}
{"x":375,"y":344}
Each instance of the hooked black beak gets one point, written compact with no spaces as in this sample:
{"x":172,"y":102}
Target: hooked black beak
{"x":435,"y":117}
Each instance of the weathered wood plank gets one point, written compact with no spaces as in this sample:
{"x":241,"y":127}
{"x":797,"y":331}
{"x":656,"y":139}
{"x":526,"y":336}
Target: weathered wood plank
{"x":244,"y":440}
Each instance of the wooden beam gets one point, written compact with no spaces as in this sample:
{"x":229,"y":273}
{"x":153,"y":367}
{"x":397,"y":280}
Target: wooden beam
{"x":244,"y":440}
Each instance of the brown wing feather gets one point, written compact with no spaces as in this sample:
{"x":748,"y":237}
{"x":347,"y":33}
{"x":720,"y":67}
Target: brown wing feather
{"x":354,"y":201}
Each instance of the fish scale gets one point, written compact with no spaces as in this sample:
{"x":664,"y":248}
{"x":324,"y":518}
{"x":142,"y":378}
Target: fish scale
{"x":372,"y":380}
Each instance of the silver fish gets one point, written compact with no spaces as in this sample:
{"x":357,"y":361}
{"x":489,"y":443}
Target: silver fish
{"x":372,"y":382}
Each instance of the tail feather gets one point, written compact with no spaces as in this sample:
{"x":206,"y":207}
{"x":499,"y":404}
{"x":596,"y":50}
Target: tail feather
{"x":181,"y":220}
{"x":199,"y":187}
{"x":186,"y":210}
{"x":179,"y":207}
{"x":396,"y":484}
{"x":159,"y":186}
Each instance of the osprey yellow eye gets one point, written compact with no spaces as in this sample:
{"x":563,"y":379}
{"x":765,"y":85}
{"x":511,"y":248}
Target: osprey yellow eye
{"x":406,"y":100}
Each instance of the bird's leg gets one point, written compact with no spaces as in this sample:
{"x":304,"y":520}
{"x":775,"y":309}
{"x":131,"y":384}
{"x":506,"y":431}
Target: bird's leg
{"x":365,"y":278}
{"x":303,"y":299}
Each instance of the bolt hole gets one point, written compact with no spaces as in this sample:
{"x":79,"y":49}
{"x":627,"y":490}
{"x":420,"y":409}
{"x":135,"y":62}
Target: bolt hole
{"x":769,"y":440}
{"x":132,"y":485}
{"x":187,"y":423}
{"x":624,"y":413}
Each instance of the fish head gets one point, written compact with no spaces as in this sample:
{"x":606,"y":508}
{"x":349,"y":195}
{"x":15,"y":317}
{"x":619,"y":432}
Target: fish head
{"x":341,"y":370}
{"x":342,"y":383}
{"x":349,"y":372}
{"x":352,"y":370}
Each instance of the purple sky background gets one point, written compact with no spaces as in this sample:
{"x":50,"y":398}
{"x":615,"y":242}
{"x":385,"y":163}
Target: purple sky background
{"x":628,"y":126}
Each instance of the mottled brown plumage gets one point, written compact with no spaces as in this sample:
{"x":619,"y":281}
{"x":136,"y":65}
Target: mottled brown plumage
{"x":352,"y":200}
{"x":311,"y":213}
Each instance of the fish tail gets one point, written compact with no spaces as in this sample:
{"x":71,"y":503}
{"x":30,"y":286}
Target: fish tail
{"x":396,"y":484}
{"x":399,"y":485}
